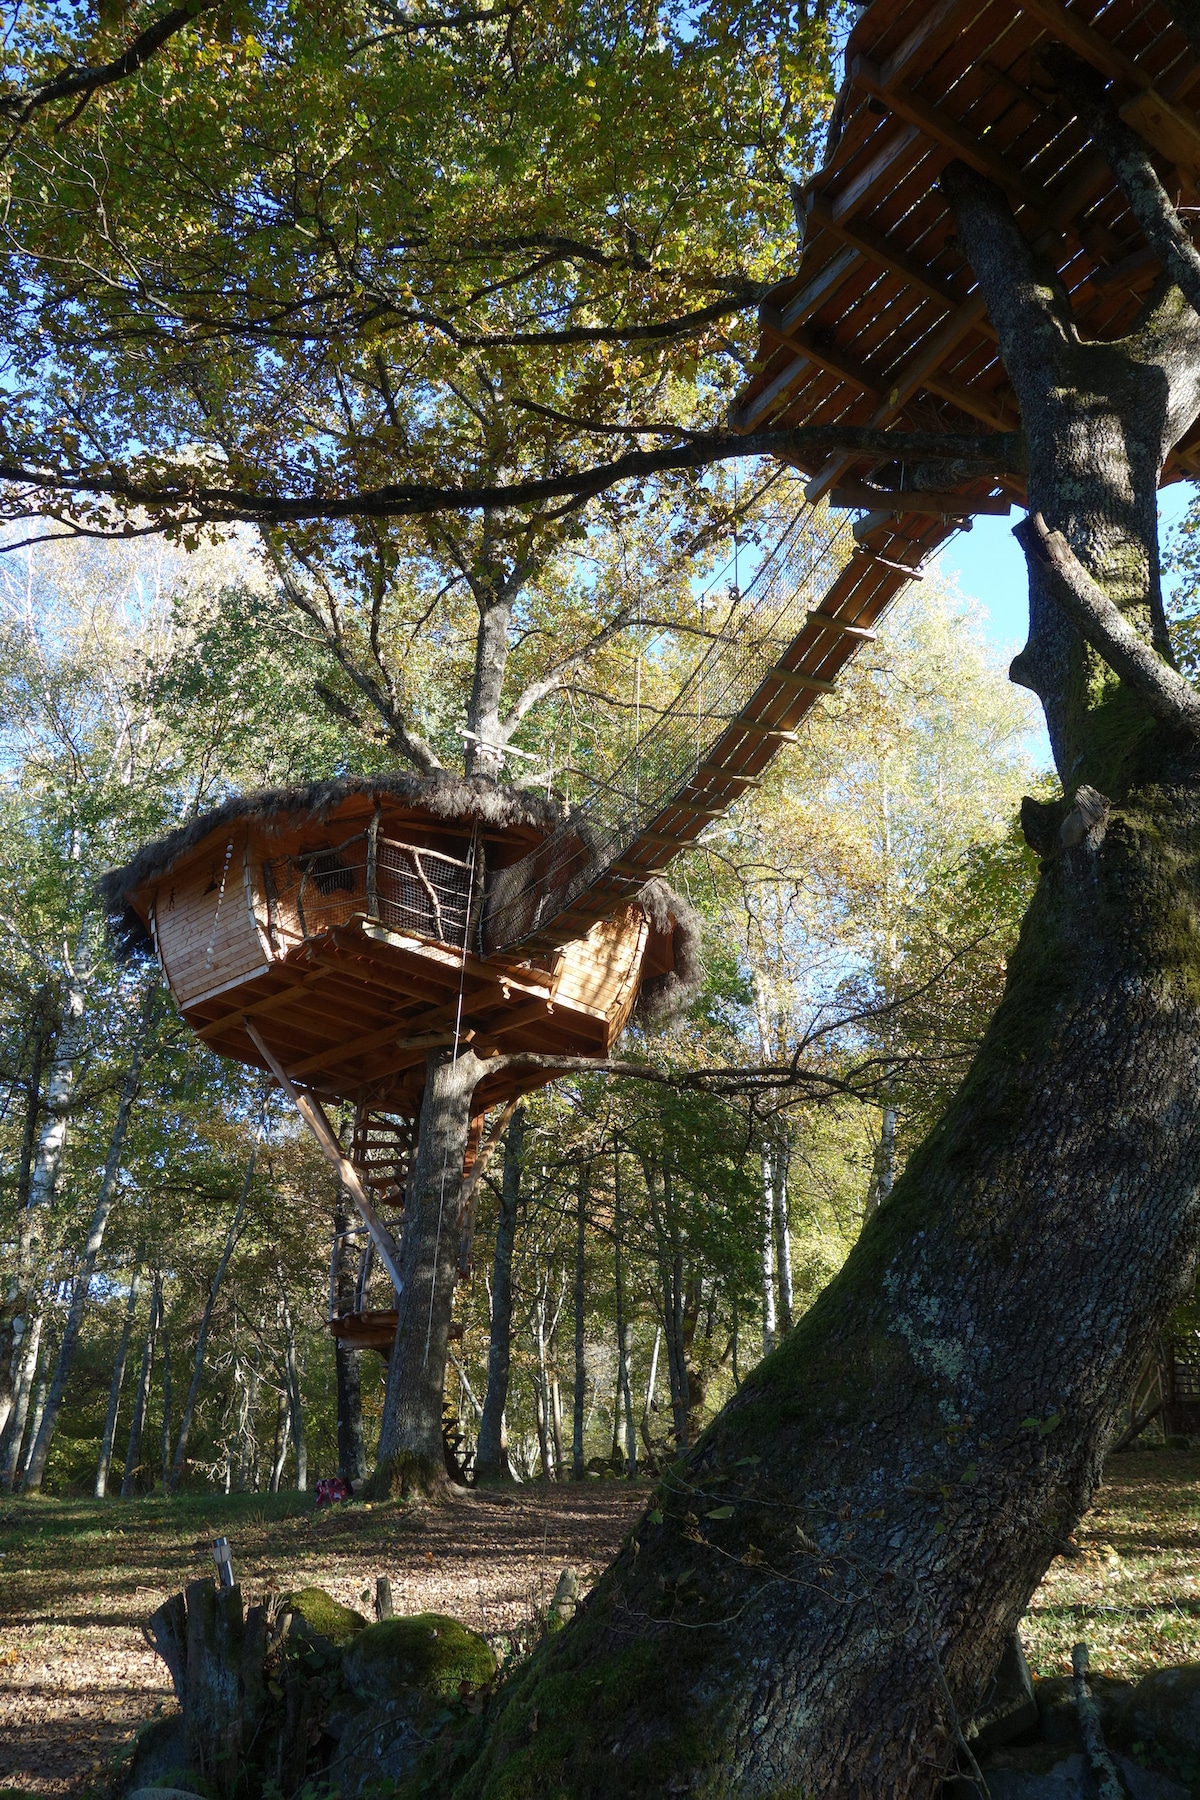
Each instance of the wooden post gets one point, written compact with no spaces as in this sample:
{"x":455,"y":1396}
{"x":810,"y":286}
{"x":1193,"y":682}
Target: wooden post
{"x":313,"y":1114}
{"x":373,"y":866}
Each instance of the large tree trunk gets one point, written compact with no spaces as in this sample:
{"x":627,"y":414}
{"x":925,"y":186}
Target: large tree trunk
{"x":410,"y":1438}
{"x":825,"y":1582}
{"x":491,"y":1452}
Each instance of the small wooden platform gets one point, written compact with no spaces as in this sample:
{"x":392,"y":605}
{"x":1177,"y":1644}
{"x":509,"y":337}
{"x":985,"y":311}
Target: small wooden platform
{"x":367,"y":1330}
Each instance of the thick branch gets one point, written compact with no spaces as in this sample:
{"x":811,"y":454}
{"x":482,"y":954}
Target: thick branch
{"x":81,"y":84}
{"x":1169,"y":697}
{"x":1130,"y":161}
{"x":184,"y":501}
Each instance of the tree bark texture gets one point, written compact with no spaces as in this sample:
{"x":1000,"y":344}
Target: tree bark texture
{"x":491,"y":1453}
{"x":824,"y":1582}
{"x":410,"y":1440}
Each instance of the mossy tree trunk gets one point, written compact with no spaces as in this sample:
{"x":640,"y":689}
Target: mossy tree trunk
{"x":823,"y":1584}
{"x":410,"y":1439}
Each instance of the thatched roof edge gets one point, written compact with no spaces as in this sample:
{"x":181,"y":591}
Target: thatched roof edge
{"x":471,"y":799}
{"x":664,"y":997}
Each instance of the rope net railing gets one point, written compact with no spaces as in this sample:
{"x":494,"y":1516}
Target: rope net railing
{"x":405,"y":886}
{"x":756,"y":630}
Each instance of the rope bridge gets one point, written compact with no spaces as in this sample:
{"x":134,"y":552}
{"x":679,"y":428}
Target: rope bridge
{"x":779,"y":651}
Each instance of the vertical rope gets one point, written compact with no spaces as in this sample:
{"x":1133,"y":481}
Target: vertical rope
{"x":208,"y":955}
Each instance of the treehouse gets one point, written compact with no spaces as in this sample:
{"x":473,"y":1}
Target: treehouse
{"x":335,"y":935}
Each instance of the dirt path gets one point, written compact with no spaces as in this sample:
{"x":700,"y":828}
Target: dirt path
{"x":78,"y":1578}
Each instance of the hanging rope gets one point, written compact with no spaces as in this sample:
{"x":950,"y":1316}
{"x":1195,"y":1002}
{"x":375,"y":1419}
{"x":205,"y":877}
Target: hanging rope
{"x":208,"y":955}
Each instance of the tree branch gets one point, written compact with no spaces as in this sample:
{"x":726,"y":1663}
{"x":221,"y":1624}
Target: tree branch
{"x":81,"y":84}
{"x":1171,"y":699}
{"x":1130,"y":161}
{"x":184,"y":500}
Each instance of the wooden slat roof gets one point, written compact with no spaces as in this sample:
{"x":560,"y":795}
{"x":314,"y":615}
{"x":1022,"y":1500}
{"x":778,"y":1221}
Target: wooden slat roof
{"x":882,"y":324}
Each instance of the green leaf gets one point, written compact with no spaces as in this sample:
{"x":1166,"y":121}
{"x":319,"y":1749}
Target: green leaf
{"x":720,"y":1512}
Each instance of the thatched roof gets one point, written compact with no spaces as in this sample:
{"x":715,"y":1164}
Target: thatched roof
{"x":664,"y":997}
{"x":469,"y":799}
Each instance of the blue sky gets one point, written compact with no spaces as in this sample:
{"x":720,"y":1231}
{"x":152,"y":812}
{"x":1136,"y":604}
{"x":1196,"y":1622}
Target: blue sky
{"x":990,"y":570}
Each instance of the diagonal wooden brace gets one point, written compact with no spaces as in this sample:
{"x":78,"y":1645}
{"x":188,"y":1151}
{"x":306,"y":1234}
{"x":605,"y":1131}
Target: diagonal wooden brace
{"x":313,"y":1114}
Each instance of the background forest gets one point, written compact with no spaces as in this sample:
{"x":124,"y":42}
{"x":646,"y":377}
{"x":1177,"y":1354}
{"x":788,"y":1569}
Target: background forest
{"x":166,"y":1230}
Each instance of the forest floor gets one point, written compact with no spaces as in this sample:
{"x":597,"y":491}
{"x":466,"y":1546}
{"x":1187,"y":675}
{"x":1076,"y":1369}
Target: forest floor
{"x":79,"y":1577}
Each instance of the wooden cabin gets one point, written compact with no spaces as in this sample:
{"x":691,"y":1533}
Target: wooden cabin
{"x":346,"y":921}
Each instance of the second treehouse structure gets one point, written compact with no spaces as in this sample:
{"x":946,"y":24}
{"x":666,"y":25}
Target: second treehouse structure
{"x":336,"y":936}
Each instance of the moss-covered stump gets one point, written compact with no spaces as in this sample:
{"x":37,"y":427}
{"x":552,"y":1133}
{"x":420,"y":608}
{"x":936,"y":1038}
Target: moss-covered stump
{"x":322,"y":1620}
{"x":427,"y":1651}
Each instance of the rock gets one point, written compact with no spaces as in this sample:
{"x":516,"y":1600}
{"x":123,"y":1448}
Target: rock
{"x":376,"y":1743}
{"x":426,"y":1652}
{"x":1041,"y":1772}
{"x":322,"y":1620}
{"x":1009,"y":1713}
{"x":1165,"y":1712}
{"x":1059,"y":1714}
{"x":159,"y":1760}
{"x":565,"y":1603}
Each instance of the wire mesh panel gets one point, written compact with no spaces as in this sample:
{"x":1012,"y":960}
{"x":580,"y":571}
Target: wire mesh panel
{"x":424,"y":891}
{"x":404,"y":886}
{"x":760,"y":625}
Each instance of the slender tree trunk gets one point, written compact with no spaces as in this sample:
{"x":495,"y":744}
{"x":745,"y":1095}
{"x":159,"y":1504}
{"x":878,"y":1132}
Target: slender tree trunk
{"x":45,"y":1169}
{"x":248,"y":1453}
{"x":651,"y":1383}
{"x":291,"y":1371}
{"x":105,"y":1201}
{"x":12,"y":1324}
{"x":491,"y":1455}
{"x":624,"y":1394}
{"x":843,"y":1554}
{"x":39,"y":1407}
{"x":137,"y":1424}
{"x":579,"y":1395}
{"x":767,"y":1253}
{"x":541,"y":1381}
{"x":173,"y":1477}
{"x":14,"y":1432}
{"x":352,"y":1456}
{"x":783,"y":1235}
{"x":165,"y":1433}
{"x":283,"y":1431}
{"x":410,"y":1438}
{"x":114,"y":1392}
